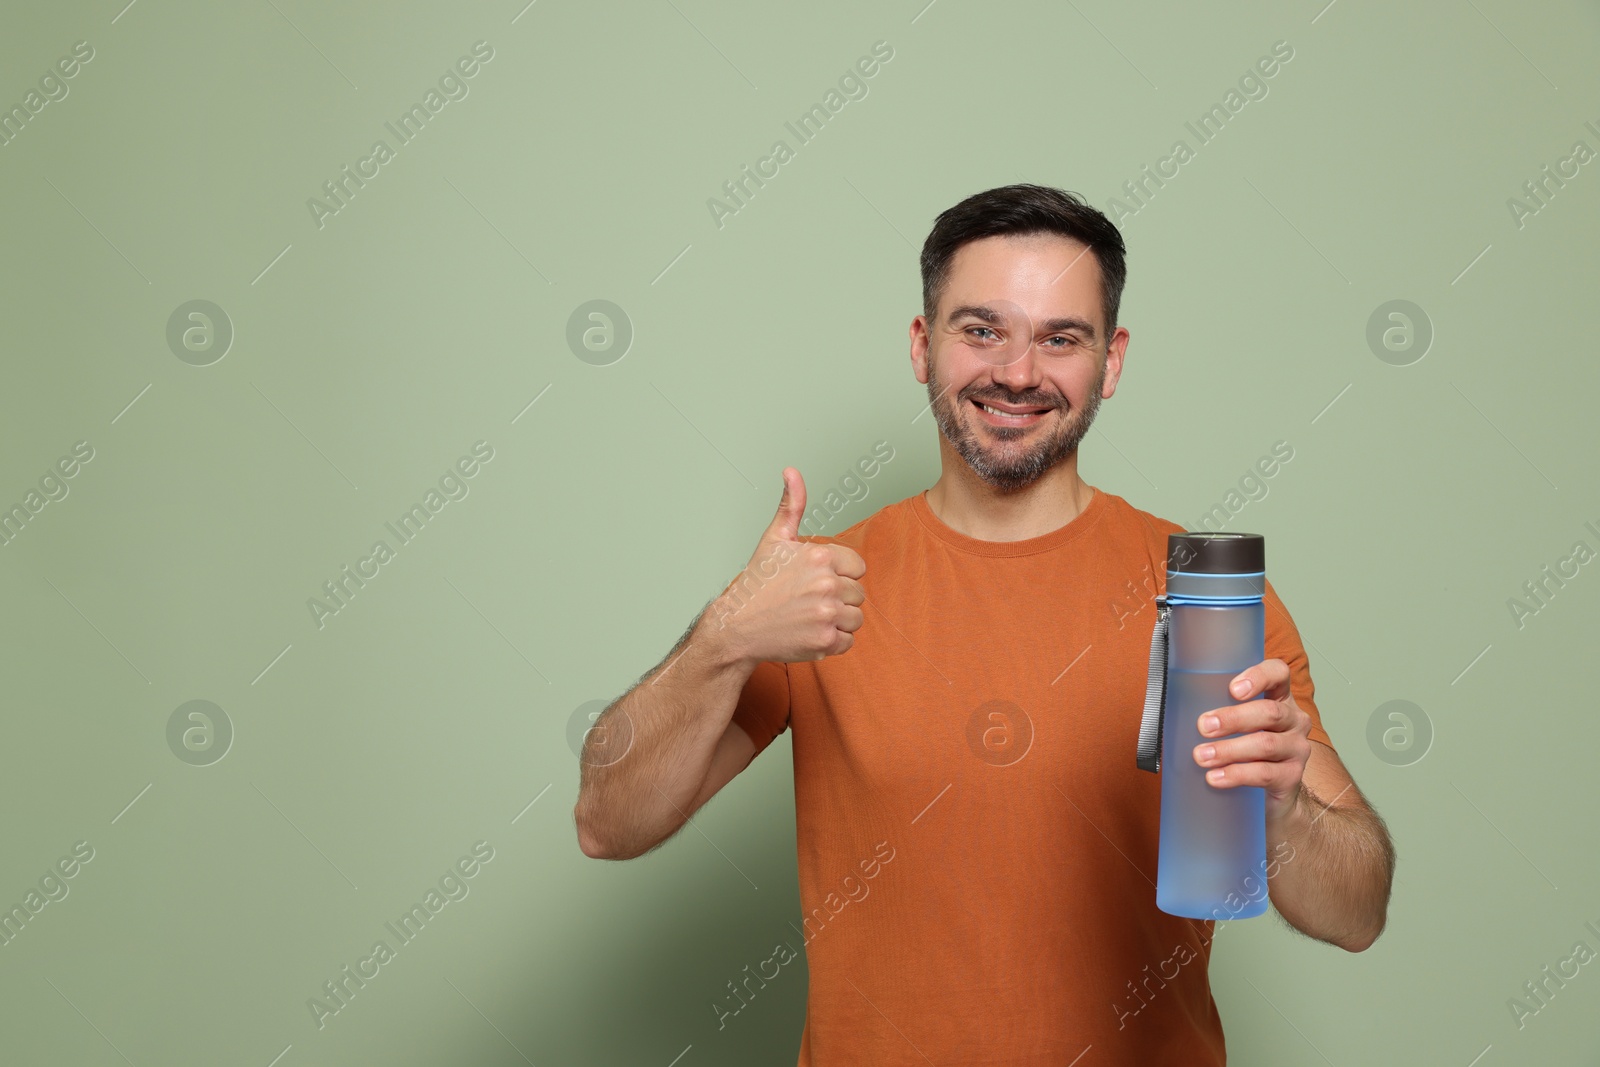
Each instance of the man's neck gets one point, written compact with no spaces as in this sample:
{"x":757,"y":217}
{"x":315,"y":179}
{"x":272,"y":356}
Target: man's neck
{"x":971,"y":506}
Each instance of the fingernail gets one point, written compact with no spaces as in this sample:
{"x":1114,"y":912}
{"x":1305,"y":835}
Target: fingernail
{"x":1206,"y":752}
{"x":1241,"y":686}
{"x":1214,"y":776}
{"x":1208,"y":724}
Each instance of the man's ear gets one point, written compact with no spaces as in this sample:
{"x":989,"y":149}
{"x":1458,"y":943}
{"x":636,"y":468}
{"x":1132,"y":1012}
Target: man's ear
{"x":919,"y":348}
{"x":1116,"y":352}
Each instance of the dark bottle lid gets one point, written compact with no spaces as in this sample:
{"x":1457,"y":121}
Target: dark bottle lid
{"x":1216,"y":553}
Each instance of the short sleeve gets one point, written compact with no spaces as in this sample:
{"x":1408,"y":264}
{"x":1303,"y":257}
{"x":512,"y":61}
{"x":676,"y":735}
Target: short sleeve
{"x":763,"y":708}
{"x":1283,"y":642}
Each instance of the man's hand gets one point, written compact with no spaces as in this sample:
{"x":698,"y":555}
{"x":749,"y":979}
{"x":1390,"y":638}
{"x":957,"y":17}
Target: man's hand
{"x":1273,"y":747}
{"x":1336,"y":888}
{"x":794,"y":601}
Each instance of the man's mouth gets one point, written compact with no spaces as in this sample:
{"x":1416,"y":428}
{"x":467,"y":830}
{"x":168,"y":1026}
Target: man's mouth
{"x":1010,"y":414}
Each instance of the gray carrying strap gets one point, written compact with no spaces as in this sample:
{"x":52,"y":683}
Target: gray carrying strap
{"x":1155,"y":693}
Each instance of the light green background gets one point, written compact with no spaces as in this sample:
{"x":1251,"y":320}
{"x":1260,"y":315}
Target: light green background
{"x":371,"y":753}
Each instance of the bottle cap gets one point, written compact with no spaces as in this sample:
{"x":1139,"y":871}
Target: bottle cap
{"x":1216,"y":553}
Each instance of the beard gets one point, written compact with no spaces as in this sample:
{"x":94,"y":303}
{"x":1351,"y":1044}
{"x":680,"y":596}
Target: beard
{"x":1022,"y":454}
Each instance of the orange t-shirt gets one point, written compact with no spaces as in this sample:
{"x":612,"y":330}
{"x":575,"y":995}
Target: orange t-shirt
{"x":977,"y":848}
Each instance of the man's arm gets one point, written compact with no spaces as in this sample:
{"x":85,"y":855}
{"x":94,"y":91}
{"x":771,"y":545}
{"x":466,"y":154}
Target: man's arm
{"x":670,"y":742}
{"x":1334,"y":880}
{"x":650,"y":757}
{"x":1334,"y":885}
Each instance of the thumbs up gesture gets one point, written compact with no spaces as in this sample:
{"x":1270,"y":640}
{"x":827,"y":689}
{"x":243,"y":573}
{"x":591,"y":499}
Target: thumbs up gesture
{"x":794,"y":601}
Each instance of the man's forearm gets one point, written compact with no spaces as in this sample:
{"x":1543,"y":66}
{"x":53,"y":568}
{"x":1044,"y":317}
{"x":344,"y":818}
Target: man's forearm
{"x":1335,"y":885}
{"x":647,"y":756}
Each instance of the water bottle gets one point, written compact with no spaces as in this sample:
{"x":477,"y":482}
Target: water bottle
{"x":1210,"y":626}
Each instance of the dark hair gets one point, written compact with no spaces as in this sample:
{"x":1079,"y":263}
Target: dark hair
{"x":1019,"y":210}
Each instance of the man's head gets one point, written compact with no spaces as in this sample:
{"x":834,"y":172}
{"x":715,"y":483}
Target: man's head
{"x":1021,"y":287}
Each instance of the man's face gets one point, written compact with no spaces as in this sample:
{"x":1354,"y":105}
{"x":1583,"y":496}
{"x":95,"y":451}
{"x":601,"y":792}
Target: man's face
{"x":1019,"y":326}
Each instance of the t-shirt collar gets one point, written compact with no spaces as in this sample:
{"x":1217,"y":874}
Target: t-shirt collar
{"x":1077,"y":527}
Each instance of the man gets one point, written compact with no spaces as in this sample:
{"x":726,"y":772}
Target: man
{"x":963,"y":673}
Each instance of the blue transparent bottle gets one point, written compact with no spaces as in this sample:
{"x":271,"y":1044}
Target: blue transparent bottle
{"x":1213,"y":841}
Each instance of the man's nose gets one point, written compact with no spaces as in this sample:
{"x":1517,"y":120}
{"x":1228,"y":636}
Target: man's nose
{"x":1022,"y":367}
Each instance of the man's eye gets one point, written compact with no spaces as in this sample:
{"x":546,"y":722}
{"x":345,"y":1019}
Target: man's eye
{"x":1070,"y":341}
{"x":985,"y":329}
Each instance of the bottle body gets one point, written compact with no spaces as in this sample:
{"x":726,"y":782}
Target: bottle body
{"x":1213,"y":841}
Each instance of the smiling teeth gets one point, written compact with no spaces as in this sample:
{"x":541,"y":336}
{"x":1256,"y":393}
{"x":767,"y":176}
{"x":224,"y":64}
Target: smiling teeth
{"x":1007,"y":414}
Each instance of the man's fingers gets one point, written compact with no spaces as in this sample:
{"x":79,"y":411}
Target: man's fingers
{"x":1274,"y":777}
{"x":847,"y":561}
{"x":850,"y":619}
{"x":785,"y":524}
{"x":1263,"y":745}
{"x":1269,"y":678}
{"x":1244,"y":718}
{"x":851,"y":592}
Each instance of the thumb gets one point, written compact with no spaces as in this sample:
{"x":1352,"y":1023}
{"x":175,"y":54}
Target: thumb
{"x":785,"y":525}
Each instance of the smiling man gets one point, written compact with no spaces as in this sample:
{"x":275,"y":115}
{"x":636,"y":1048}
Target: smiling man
{"x":963,"y":679}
